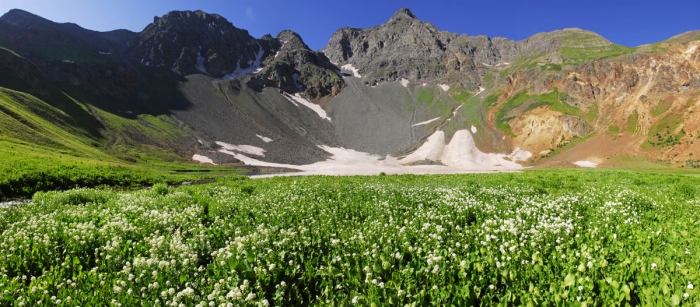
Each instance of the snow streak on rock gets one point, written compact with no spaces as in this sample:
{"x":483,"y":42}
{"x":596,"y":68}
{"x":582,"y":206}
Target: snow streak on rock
{"x":200,"y":63}
{"x":264,"y":138}
{"x":252,"y":69}
{"x":426,"y":122}
{"x":297,"y":100}
{"x":353,"y":69}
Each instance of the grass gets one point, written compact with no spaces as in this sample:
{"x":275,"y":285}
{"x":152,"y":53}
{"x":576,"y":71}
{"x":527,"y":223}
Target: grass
{"x":662,"y":107}
{"x":663,"y":133}
{"x":575,"y":55}
{"x":43,"y":149}
{"x":69,"y":54}
{"x":426,"y":95}
{"x":551,"y":67}
{"x":632,"y":122}
{"x":543,"y":237}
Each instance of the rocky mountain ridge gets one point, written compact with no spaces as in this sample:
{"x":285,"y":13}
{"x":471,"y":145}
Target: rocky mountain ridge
{"x":405,"y":47}
{"x":382,"y":90}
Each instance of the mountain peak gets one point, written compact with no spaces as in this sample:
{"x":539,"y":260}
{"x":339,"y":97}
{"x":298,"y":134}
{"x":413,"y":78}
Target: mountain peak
{"x":23,"y":18}
{"x":403,"y":13}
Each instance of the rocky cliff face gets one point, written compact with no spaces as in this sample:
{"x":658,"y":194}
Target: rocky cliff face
{"x":405,"y":47}
{"x":296,"y":68}
{"x":649,"y":96}
{"x":197,"y":42}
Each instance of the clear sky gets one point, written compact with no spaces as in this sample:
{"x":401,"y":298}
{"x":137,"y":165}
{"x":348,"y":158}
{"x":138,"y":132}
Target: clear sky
{"x":625,"y":22}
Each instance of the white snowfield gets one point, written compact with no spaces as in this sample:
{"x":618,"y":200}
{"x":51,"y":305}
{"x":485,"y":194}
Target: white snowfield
{"x":248,"y":149}
{"x":353,"y":69}
{"x":297,"y":100}
{"x":404,"y":82}
{"x":588,"y":164}
{"x":264,"y":138}
{"x":105,"y":53}
{"x":473,"y":129}
{"x":459,"y":156}
{"x":202,"y":159}
{"x":444,"y":87}
{"x":426,"y":122}
{"x":462,"y":153}
{"x":254,"y":66}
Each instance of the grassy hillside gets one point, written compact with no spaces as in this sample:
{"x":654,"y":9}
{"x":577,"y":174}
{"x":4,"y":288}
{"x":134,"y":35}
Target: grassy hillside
{"x":43,"y":151}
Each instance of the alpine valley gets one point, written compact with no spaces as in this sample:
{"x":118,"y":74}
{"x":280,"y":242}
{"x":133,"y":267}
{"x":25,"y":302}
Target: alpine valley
{"x":400,"y":97}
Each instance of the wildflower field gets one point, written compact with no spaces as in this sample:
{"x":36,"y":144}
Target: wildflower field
{"x":537,"y":238}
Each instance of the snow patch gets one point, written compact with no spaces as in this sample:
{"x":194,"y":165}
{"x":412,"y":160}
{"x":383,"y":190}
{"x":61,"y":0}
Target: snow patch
{"x":295,"y":76}
{"x":202,"y":159}
{"x":297,"y":99}
{"x":588,"y":164}
{"x":278,"y":51}
{"x":265,"y":139}
{"x":249,"y":149}
{"x":104,"y":53}
{"x":404,"y":82}
{"x":353,"y":69}
{"x":253,"y":69}
{"x":222,"y":31}
{"x":691,"y":49}
{"x":444,"y":87}
{"x":148,"y":63}
{"x":462,"y":153}
{"x":426,"y":122}
{"x":460,"y":156}
{"x":200,"y":62}
{"x":473,"y":129}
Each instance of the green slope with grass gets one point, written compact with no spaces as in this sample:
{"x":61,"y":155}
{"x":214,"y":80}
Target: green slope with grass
{"x":51,"y":140}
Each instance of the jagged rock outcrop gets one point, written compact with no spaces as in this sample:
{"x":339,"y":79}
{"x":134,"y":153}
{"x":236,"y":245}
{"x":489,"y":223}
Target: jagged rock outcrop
{"x":296,"y":68}
{"x":197,"y":42}
{"x":405,"y":47}
{"x":602,"y":79}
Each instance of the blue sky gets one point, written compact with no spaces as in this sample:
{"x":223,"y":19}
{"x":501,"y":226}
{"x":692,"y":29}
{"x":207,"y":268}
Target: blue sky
{"x":629,"y":23}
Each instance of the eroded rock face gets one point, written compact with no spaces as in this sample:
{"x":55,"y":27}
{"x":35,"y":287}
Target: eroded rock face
{"x":296,"y":68}
{"x":405,"y":47}
{"x":606,"y":79}
{"x":197,"y":42}
{"x":543,"y":129}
